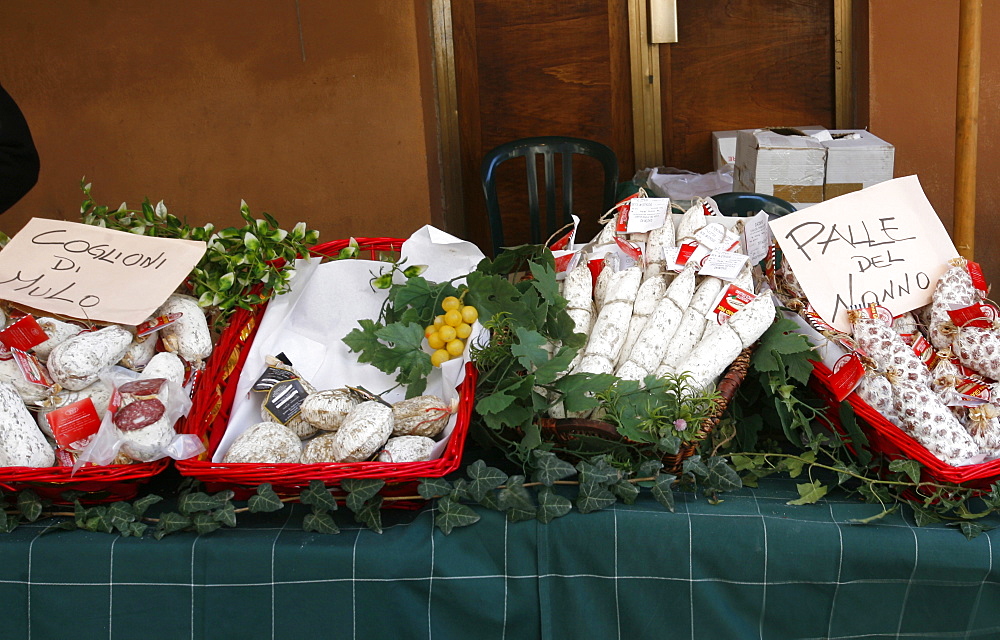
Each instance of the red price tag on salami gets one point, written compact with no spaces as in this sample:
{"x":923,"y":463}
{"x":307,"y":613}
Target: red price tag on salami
{"x":74,"y":423}
{"x":23,"y":334}
{"x":31,"y":368}
{"x":978,"y":279}
{"x":847,"y":374}
{"x":976,"y":315}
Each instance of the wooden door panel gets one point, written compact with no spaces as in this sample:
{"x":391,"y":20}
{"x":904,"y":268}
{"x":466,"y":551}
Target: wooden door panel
{"x":526,"y":68}
{"x":742,"y":64}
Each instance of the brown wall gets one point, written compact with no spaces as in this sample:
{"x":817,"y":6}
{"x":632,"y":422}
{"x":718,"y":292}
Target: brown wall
{"x":309,"y":110}
{"x":912,"y":75}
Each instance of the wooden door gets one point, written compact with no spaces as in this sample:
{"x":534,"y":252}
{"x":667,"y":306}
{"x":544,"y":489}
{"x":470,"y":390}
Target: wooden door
{"x":527,"y":68}
{"x":741,"y":64}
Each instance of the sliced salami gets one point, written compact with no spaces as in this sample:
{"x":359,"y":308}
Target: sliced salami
{"x":139,"y":414}
{"x":142,"y":387}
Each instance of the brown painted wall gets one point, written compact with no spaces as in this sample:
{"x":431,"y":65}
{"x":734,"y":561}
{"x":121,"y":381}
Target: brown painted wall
{"x":309,"y":110}
{"x":912,"y":68}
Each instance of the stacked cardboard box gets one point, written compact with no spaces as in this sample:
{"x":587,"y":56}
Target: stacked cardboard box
{"x":806,"y":165}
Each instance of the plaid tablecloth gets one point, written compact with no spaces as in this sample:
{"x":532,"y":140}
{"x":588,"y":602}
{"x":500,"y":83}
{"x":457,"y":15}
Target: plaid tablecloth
{"x":751,"y":567}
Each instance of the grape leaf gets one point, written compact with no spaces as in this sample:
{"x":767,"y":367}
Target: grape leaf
{"x":809,"y":493}
{"x":528,"y":348}
{"x":365,"y":342}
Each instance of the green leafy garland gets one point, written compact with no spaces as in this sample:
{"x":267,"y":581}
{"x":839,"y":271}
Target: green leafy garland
{"x":242,"y":266}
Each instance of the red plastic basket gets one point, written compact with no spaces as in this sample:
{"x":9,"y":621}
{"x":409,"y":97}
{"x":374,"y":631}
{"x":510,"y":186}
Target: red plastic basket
{"x":887,"y":439}
{"x":214,"y":400}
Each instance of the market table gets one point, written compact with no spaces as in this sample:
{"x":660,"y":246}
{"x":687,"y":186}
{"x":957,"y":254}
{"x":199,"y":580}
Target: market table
{"x":749,"y":567}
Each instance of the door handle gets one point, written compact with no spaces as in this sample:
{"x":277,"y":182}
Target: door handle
{"x":662,"y":21}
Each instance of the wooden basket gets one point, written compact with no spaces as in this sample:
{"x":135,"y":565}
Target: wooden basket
{"x":212,"y":404}
{"x":567,"y":431}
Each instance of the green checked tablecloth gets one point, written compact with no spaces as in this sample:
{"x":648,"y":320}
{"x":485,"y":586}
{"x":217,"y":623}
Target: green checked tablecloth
{"x":751,"y":567}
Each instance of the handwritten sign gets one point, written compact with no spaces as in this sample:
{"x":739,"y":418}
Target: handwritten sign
{"x":882,"y":245}
{"x":92,"y":273}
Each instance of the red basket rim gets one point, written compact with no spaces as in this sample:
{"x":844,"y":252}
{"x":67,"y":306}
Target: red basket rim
{"x":903,"y":444}
{"x":239,"y":334}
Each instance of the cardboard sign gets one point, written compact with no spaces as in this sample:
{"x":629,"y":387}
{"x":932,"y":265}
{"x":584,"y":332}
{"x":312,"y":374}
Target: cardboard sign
{"x":93,"y":273}
{"x":882,"y":245}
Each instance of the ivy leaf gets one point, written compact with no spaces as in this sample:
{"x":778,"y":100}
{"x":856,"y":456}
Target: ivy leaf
{"x":721,"y":477}
{"x":910,"y":467}
{"x":197,"y":501}
{"x":317,"y":495}
{"x":971,"y":529}
{"x":138,"y":529}
{"x":97,"y":520}
{"x":593,"y":496}
{"x":548,"y":468}
{"x":453,"y":514}
{"x":460,"y":490}
{"x":669,"y":444}
{"x":924,"y":517}
{"x":121,"y":516}
{"x":856,"y":437}
{"x":490,"y":501}
{"x":434,"y":487}
{"x":809,"y":493}
{"x":226,"y":515}
{"x":551,"y":505}
{"x":360,"y":490}
{"x":597,"y":471}
{"x":169,"y":523}
{"x":515,"y":500}
{"x":370,"y":513}
{"x":694,"y":466}
{"x":204,"y":523}
{"x":484,"y":479}
{"x":6,"y":522}
{"x":649,"y":468}
{"x":663,"y":490}
{"x":625,"y":490}
{"x":320,"y":523}
{"x":29,"y":504}
{"x":140,"y":506}
{"x":265,"y":500}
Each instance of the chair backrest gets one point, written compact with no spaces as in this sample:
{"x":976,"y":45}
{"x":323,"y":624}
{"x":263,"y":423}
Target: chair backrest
{"x":549,"y":147}
{"x":744,"y":204}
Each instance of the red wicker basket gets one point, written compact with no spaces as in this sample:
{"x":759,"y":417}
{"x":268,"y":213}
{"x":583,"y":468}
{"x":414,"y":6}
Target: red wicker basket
{"x":892,"y":442}
{"x":214,"y":400}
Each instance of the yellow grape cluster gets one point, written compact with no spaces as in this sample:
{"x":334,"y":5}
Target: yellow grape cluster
{"x":450,"y":329}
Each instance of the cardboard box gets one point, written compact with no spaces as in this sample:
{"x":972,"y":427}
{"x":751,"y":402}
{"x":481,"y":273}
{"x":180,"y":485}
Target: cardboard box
{"x":784,"y":162}
{"x":856,"y":159}
{"x":723,"y":148}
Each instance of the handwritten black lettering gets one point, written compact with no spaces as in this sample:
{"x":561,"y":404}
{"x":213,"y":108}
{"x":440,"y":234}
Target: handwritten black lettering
{"x":801,"y":246}
{"x":886,"y":231}
{"x":64,"y":264}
